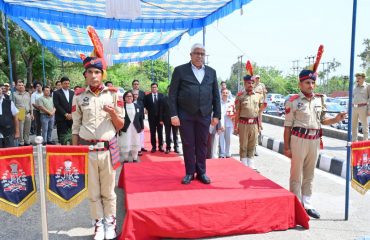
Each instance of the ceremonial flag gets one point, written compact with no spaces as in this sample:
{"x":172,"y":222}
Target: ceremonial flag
{"x":17,"y":186}
{"x":66,"y":169}
{"x":361,"y":166}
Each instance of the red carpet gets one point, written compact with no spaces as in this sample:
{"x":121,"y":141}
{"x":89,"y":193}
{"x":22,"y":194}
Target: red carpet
{"x":238,"y":201}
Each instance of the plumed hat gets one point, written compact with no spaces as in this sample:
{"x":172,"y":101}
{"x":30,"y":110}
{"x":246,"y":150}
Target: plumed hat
{"x":249,"y":68}
{"x":311,"y":73}
{"x":96,"y":59}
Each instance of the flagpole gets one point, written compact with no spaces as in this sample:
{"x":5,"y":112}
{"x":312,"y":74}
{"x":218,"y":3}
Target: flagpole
{"x":349,"y":134}
{"x":44,"y":220}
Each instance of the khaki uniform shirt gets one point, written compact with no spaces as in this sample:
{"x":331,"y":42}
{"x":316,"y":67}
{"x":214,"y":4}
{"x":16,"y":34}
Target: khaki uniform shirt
{"x":361,"y":94}
{"x":22,"y":100}
{"x":261,"y":89}
{"x":90,"y":121}
{"x":301,"y":112}
{"x":248,"y":105}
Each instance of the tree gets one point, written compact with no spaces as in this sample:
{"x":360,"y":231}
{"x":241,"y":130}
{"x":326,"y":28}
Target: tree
{"x":24,"y":51}
{"x":156,"y":70}
{"x":365,"y":56}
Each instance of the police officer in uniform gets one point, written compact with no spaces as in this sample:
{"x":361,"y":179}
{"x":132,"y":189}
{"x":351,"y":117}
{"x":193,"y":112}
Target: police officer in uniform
{"x":260,"y":88}
{"x":304,"y":115}
{"x":360,"y":110}
{"x":248,"y":106}
{"x":97,"y":115}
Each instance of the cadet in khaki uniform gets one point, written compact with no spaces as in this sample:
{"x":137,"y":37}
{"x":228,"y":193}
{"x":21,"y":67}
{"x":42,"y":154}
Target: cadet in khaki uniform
{"x":260,"y":88}
{"x":304,"y":114}
{"x":360,"y":110}
{"x":248,"y":105}
{"x":22,"y":101}
{"x":97,"y":115}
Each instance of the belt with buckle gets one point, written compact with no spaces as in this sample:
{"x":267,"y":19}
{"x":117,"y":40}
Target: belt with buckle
{"x":360,"y":105}
{"x":95,"y":145}
{"x":306,"y":133}
{"x":244,"y":120}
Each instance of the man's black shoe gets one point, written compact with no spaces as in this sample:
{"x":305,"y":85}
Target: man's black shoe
{"x":51,"y":143}
{"x":167,"y":151}
{"x":187,"y":179}
{"x":313,"y":213}
{"x":161,"y":149}
{"x":153,"y":150}
{"x":140,"y":153}
{"x":143,"y":150}
{"x":204,"y":179}
{"x":176,"y":150}
{"x":135,"y":161}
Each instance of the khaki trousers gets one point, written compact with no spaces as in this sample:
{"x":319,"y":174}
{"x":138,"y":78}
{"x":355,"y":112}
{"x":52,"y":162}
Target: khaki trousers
{"x":248,"y":134}
{"x":24,"y":130}
{"x":360,"y":113}
{"x":101,"y":185}
{"x":305,"y":153}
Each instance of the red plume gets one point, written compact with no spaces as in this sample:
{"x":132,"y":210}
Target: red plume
{"x":318,"y":57}
{"x":82,"y":56}
{"x":249,"y":68}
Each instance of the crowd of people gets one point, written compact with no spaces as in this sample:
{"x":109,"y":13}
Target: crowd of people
{"x":203,"y":113}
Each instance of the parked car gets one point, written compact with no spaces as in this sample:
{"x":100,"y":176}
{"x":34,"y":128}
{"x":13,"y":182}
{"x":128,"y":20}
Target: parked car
{"x":276,"y":98}
{"x":272,"y":109}
{"x":333,"y":109}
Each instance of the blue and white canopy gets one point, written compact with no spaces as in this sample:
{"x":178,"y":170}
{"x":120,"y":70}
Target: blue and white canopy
{"x":60,"y":25}
{"x":156,"y":15}
{"x":68,"y":42}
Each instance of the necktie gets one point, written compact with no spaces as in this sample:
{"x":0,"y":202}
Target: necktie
{"x":155,"y":98}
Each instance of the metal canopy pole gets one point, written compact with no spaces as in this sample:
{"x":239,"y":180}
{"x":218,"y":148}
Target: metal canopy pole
{"x":204,"y":36}
{"x":43,"y":65}
{"x":168,"y":66}
{"x":9,"y":56}
{"x":349,"y":134}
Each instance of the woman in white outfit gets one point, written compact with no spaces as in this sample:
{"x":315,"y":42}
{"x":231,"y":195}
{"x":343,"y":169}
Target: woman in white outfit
{"x":227,"y":113}
{"x":130,"y":133}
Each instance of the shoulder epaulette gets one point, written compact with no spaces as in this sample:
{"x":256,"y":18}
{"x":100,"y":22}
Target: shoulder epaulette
{"x":319,"y":95}
{"x":79,"y":91}
{"x":293,"y":97}
{"x":112,"y":89}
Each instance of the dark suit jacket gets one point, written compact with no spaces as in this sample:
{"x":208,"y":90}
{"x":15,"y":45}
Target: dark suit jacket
{"x":61,"y":104}
{"x":153,"y":112}
{"x":164,"y":110}
{"x":191,"y":96}
{"x":141,"y":97}
{"x":138,"y":120}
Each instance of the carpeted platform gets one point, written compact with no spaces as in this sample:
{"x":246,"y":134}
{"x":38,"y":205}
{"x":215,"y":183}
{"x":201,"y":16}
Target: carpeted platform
{"x":238,"y":201}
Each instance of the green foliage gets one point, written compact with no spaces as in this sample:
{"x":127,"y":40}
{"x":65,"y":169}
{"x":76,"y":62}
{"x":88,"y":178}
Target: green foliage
{"x":365,"y":56}
{"x":157,"y":70}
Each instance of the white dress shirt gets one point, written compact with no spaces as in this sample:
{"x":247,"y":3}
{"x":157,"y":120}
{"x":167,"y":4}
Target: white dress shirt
{"x":66,"y":93}
{"x":199,"y":73}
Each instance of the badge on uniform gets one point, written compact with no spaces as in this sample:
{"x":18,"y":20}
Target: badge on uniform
{"x":85,"y":101}
{"x":17,"y":185}
{"x":66,"y":168}
{"x":300,"y":105}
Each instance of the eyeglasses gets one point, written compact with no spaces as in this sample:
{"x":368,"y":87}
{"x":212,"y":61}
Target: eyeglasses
{"x":136,"y":94}
{"x":202,"y":54}
{"x":129,"y":96}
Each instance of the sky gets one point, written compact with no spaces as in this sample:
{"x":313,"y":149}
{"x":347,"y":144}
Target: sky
{"x":277,"y":32}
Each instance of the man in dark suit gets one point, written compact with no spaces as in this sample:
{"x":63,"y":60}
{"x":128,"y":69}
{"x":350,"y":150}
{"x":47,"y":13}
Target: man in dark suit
{"x":165,"y":119}
{"x":62,"y":99}
{"x":140,"y":100}
{"x":135,"y":86}
{"x":193,"y":97}
{"x":151,"y":103}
